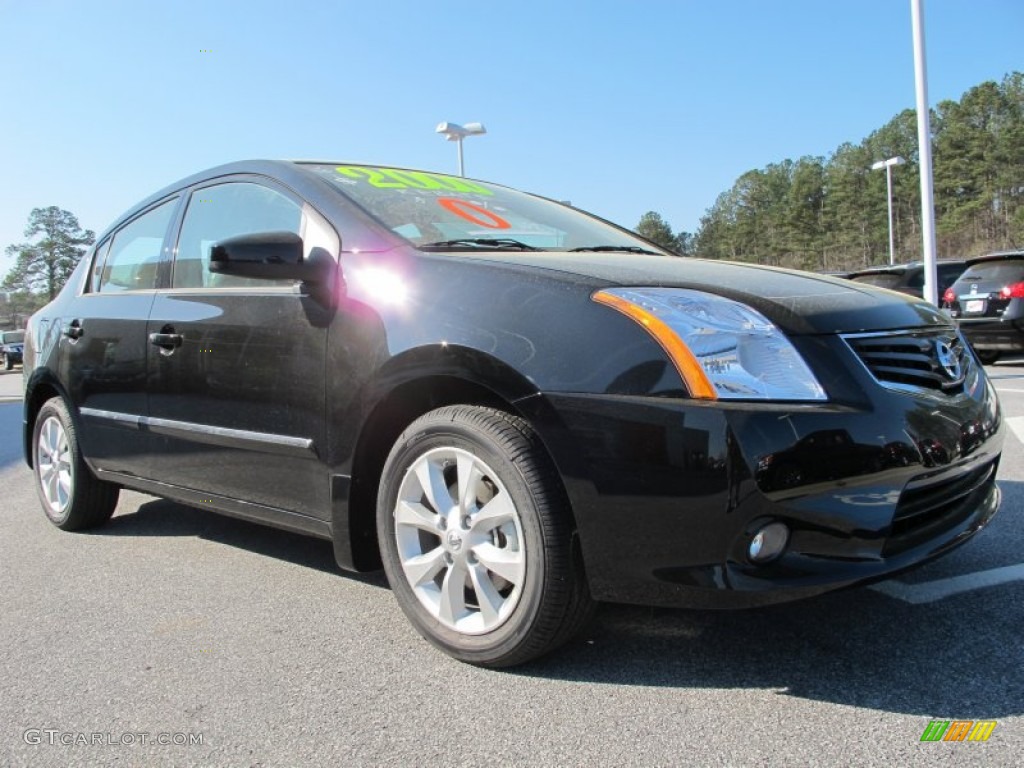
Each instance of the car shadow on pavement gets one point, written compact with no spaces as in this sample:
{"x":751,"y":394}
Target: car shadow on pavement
{"x":857,"y":648}
{"x":958,"y":657}
{"x":161,"y":517}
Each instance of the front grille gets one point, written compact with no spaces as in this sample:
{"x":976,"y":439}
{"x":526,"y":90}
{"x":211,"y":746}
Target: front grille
{"x":924,"y":511}
{"x":935,"y":359}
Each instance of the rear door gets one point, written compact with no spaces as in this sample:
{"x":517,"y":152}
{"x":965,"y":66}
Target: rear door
{"x":237,"y":391}
{"x":103,"y":354}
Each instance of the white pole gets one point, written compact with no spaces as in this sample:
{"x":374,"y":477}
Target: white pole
{"x":924,"y":142}
{"x":462,"y":170}
{"x":888,"y":200}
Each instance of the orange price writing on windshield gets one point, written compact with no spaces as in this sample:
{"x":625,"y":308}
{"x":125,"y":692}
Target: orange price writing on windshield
{"x":474,"y":213}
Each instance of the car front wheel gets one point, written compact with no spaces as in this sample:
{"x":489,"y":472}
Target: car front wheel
{"x":476,"y":536}
{"x":72,"y":497}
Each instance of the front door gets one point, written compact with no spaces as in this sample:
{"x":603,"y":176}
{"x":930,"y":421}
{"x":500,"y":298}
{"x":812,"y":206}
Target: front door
{"x":236,"y":365}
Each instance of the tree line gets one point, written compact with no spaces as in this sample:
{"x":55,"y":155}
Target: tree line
{"x":831,"y":214}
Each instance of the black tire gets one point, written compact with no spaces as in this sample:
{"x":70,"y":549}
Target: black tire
{"x":72,"y":497}
{"x":987,"y":356}
{"x":551,"y":601}
{"x":8,"y":363}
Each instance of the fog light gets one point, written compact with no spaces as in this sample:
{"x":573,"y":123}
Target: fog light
{"x":768,"y":543}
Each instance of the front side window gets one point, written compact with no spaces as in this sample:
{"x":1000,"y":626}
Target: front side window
{"x":227,"y":210}
{"x":133,"y":260}
{"x":98,"y":259}
{"x":438,"y":212}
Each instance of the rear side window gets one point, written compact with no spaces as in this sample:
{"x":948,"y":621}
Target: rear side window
{"x":916,"y":279}
{"x":133,"y":261}
{"x":882,"y":281}
{"x":947,"y":274}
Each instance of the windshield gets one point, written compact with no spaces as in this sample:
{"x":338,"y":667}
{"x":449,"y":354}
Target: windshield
{"x":12,"y":337}
{"x":438,"y":212}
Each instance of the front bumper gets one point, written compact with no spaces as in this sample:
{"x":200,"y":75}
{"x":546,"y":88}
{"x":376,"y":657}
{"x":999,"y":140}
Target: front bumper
{"x":667,"y":493}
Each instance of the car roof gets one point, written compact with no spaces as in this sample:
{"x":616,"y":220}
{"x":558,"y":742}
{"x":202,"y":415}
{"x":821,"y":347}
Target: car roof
{"x":289,"y":172}
{"x":899,"y":269}
{"x":996,"y":256}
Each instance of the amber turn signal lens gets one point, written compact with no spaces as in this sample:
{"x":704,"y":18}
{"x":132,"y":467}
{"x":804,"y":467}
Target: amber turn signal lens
{"x":682,"y":358}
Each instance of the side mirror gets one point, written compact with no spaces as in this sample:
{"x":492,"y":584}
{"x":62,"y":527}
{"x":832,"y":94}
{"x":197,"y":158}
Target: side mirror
{"x":270,"y":256}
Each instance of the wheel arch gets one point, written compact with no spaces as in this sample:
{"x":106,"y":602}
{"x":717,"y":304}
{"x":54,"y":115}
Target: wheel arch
{"x":409,"y":386}
{"x":42,"y":386}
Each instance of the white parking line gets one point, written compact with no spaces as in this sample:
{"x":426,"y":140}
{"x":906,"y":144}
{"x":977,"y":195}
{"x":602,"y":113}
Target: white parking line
{"x":1017,"y":425}
{"x":1007,"y":389}
{"x":931,"y":591}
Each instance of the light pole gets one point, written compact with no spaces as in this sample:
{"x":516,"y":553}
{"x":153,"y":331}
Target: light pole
{"x":888,"y":164}
{"x":455,"y":132}
{"x":924,"y":146}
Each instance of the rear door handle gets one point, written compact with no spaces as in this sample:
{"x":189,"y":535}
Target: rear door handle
{"x":74,"y":330}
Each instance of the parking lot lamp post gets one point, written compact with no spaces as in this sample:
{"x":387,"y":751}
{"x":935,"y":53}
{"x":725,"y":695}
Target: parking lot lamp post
{"x":888,"y":164}
{"x":455,"y":132}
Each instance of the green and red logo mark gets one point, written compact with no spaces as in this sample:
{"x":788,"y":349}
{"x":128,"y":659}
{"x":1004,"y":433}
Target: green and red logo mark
{"x":958,"y":730}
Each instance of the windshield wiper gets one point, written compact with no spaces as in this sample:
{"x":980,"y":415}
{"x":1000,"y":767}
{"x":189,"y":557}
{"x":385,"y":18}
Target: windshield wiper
{"x":500,"y":243}
{"x":617,"y":248}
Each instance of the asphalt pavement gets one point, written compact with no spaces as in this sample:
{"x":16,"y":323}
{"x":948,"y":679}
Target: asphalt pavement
{"x":244,"y":646}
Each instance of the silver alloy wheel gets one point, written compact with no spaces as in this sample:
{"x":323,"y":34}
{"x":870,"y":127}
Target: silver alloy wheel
{"x":460,"y":541}
{"x":53,"y":458}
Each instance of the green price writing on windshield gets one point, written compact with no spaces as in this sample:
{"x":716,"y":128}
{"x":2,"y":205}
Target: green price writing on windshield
{"x":392,"y":178}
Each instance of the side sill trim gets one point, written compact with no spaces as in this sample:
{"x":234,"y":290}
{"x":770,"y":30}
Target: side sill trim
{"x":203,"y":433}
{"x":243,"y":510}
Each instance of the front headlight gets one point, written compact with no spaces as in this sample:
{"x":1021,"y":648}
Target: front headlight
{"x":721,"y":348}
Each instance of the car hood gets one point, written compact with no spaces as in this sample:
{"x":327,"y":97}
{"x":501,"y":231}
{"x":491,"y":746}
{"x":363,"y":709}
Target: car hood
{"x":797,"y":302}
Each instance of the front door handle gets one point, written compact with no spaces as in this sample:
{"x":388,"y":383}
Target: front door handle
{"x":166,"y":341}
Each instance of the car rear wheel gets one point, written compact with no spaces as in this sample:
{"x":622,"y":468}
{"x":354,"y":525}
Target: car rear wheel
{"x":72,"y":497}
{"x":987,"y":356}
{"x":477,"y":539}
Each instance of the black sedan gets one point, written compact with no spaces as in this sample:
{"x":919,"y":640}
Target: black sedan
{"x":909,"y":278}
{"x":514,"y":407}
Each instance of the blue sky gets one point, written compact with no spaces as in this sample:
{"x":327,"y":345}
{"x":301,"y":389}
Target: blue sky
{"x":620,"y":107}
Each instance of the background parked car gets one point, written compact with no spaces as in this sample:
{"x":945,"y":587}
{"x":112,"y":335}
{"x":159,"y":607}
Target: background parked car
{"x":988,"y":303}
{"x":909,"y":278}
{"x":12,"y":345}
